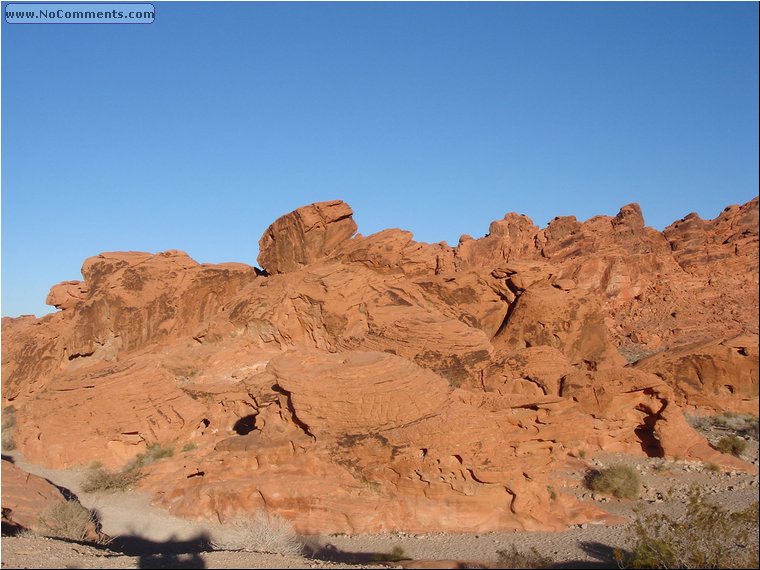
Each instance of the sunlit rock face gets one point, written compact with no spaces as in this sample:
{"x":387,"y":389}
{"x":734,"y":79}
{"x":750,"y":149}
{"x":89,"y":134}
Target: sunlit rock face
{"x":365,"y":384}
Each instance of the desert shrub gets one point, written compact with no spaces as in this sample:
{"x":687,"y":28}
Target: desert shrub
{"x":731,"y":444}
{"x":713,"y":467}
{"x":263,"y":532}
{"x":742,"y":424}
{"x":101,"y":480}
{"x":154,"y":453}
{"x":8,"y":443}
{"x":620,"y":481}
{"x":707,"y":536}
{"x":188,"y":446}
{"x":9,"y":417}
{"x":8,"y":423}
{"x":752,"y":428}
{"x":67,"y":519}
{"x":699,"y":422}
{"x":733,"y":420}
{"x":662,"y":466}
{"x":635,"y":352}
{"x":514,"y":558}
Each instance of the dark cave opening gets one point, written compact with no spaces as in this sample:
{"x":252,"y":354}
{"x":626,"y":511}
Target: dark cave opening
{"x":245,"y":425}
{"x":650,"y":443}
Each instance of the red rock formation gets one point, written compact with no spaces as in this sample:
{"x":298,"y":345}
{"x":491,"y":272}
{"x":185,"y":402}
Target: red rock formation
{"x":377,"y":383}
{"x":28,"y":502}
{"x":305,"y":235}
{"x":394,"y":251}
{"x":717,"y":375}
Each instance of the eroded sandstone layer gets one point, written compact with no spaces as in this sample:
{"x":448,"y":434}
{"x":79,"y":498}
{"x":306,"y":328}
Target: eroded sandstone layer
{"x":363,"y":384}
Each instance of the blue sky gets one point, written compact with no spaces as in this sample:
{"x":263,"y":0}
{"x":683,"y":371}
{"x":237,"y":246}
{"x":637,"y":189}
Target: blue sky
{"x":197,"y":131}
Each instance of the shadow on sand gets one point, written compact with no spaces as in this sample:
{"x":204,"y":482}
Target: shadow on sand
{"x":331,"y":553}
{"x":602,"y":554}
{"x":151,"y":554}
{"x":171,"y":553}
{"x":174,"y":553}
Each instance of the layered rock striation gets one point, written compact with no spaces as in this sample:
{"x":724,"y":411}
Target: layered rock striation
{"x":364,"y":384}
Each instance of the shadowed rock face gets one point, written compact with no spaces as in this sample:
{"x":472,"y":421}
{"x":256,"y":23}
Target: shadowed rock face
{"x":364,"y":384}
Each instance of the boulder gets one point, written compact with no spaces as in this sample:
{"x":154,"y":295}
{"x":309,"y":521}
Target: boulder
{"x":305,"y":235}
{"x":29,"y":502}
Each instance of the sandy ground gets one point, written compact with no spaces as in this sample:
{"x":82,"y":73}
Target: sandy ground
{"x":151,"y":538}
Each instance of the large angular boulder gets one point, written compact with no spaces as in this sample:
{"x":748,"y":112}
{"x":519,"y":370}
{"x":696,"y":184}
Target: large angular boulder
{"x":305,"y":235}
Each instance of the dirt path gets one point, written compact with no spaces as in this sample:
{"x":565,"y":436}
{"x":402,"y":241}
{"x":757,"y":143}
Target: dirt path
{"x":120,"y":513}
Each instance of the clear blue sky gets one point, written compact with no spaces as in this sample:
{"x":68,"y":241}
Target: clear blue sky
{"x":197,"y":131}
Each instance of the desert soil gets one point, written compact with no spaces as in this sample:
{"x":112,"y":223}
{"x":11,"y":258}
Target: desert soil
{"x":149,"y":537}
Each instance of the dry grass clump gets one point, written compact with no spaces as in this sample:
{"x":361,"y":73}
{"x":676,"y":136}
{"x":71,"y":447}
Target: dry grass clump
{"x":621,"y":481}
{"x":68,"y":519}
{"x":707,"y":536}
{"x":514,"y":558}
{"x":154,"y":453}
{"x":263,"y":532}
{"x":745,"y":425}
{"x":731,"y":444}
{"x":100,"y":480}
{"x":8,"y":423}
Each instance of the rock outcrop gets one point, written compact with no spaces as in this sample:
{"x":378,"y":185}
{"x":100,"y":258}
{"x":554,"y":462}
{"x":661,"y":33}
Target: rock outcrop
{"x":717,"y":375}
{"x":362,"y":384}
{"x":305,"y":235}
{"x":30,"y":502}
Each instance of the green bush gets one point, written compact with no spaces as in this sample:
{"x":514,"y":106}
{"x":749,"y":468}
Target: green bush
{"x":706,"y":537}
{"x":620,"y":481}
{"x":731,"y":444}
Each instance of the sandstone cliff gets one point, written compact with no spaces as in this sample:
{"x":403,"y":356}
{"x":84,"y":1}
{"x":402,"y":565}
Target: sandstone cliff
{"x":359,"y":384}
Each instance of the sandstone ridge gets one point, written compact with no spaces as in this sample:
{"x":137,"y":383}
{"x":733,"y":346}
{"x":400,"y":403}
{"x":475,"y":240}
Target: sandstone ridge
{"x":374,"y":383}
